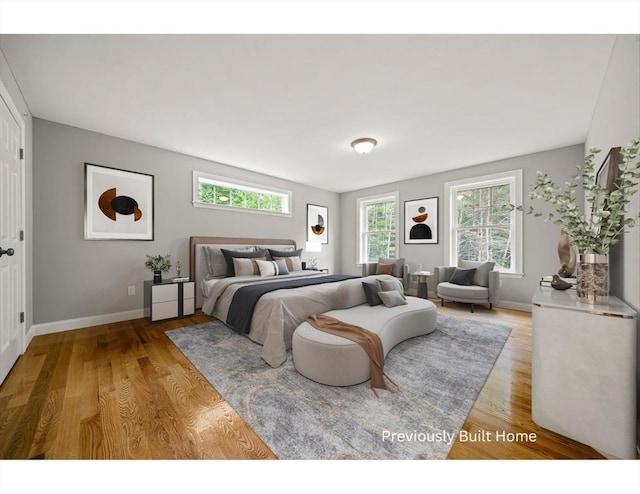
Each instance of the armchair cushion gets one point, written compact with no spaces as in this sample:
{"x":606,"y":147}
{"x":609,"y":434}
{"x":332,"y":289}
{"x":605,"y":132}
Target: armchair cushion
{"x":384,"y":268}
{"x":462,"y":276}
{"x":398,"y":265}
{"x":481,"y":276}
{"x":462,"y":293}
{"x":400,"y":269}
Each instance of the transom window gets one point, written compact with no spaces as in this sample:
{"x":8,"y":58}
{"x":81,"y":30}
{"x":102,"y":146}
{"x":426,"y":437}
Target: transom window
{"x":377,"y":227}
{"x":219,"y":192}
{"x":481,"y":226}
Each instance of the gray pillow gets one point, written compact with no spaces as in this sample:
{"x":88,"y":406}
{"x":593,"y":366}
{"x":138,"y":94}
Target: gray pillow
{"x":293,"y":263}
{"x":392,"y":298}
{"x":462,"y":276}
{"x":285,"y":253}
{"x":371,"y":289}
{"x":230,"y":254}
{"x":398,"y":265}
{"x":481,"y":277}
{"x":388,"y":285}
{"x":216,"y":263}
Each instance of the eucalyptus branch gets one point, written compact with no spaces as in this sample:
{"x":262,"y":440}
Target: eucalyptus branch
{"x":597,"y":230}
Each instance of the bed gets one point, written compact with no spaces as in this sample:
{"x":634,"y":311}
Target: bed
{"x":277,"y":313}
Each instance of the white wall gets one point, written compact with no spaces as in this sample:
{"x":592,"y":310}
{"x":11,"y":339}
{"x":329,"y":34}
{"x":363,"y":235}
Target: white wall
{"x":540,"y":238}
{"x":616,"y":120}
{"x":76,"y":278}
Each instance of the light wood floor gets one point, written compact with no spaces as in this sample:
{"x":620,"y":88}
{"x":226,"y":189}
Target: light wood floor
{"x":125,"y":391}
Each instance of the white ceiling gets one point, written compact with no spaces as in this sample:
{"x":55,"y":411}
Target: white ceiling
{"x":289,"y":105}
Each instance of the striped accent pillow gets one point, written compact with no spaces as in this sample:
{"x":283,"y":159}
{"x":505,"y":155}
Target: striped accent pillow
{"x":272,"y":268}
{"x":246,"y":267}
{"x":293,"y":262}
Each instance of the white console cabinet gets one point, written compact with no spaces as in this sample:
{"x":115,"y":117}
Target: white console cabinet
{"x":168,"y":300}
{"x":584,"y":371}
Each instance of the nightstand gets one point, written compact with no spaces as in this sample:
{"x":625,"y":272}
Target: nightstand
{"x":168,"y":300}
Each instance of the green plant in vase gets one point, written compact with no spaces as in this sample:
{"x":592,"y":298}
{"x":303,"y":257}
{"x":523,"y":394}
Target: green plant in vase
{"x":158,"y":264}
{"x":597,"y":227}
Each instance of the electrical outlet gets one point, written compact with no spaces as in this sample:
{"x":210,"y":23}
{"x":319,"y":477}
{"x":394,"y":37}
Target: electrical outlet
{"x":131,"y":290}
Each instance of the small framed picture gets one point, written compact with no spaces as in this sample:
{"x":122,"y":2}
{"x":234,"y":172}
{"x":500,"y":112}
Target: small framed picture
{"x":607,"y":174}
{"x":118,"y":204}
{"x":421,"y":221}
{"x":317,"y":224}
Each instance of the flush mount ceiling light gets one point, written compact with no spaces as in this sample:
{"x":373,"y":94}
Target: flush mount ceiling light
{"x":364,"y":145}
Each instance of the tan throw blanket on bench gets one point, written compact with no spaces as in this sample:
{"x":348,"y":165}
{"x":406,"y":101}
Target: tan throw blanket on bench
{"x":368,"y":340}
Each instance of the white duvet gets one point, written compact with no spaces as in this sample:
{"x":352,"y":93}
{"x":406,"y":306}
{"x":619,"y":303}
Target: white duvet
{"x":277,"y":314}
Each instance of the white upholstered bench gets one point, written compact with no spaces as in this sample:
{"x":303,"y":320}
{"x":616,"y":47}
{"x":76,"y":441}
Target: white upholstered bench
{"x":338,"y":361}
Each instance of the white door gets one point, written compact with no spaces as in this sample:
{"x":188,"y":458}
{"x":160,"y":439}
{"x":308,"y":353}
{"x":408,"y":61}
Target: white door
{"x":11,"y":273}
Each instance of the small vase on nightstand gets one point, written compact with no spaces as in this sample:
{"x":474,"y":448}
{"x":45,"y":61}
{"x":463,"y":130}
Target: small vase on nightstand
{"x":157,"y":277}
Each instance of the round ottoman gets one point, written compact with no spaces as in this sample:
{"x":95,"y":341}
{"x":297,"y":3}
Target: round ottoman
{"x":338,"y":361}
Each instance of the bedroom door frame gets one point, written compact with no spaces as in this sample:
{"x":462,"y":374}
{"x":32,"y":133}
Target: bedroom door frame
{"x":12,"y":264}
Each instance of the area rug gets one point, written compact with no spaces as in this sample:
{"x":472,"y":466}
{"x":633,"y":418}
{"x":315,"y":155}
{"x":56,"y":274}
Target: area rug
{"x":438,"y":377}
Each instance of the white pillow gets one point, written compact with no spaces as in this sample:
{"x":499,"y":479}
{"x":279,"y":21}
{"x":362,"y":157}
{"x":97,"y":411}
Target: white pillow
{"x":246,"y":267}
{"x":272,"y":268}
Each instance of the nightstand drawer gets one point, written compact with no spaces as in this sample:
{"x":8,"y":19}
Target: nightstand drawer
{"x":189,"y":306}
{"x":188,"y":288}
{"x":165,"y":293}
{"x":164,"y":310}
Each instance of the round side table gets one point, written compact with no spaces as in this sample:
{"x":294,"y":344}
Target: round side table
{"x":422,"y":282}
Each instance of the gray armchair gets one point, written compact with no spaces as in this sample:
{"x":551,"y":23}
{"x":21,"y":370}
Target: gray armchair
{"x":400,"y":269}
{"x":482,"y":286}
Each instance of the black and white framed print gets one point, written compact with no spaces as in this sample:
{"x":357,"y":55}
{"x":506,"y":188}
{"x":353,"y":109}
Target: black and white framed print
{"x":421,"y":221}
{"x":118,"y":204}
{"x":317,"y":224}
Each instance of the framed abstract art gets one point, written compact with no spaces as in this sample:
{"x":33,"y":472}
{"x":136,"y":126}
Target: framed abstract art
{"x":118,"y":204}
{"x":317,"y":224}
{"x":421,"y":221}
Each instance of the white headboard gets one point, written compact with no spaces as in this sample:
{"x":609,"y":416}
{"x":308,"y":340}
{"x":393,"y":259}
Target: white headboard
{"x":198,"y":268}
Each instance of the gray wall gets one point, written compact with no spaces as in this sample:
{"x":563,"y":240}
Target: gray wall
{"x":540,"y":238}
{"x":75,"y":278}
{"x":6,"y":76}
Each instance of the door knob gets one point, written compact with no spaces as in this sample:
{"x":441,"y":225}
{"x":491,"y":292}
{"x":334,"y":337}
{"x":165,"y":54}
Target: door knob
{"x":9,"y":252}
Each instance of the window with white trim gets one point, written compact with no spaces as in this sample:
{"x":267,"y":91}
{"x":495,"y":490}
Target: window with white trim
{"x":211,"y":191}
{"x":480,"y":224}
{"x":377,"y":227}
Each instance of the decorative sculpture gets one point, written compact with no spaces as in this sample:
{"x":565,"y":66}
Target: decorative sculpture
{"x":559,"y":284}
{"x":567,"y":254}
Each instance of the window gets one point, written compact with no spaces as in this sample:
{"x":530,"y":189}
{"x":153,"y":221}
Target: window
{"x":377,"y":227}
{"x":480,"y":225}
{"x":225,"y":193}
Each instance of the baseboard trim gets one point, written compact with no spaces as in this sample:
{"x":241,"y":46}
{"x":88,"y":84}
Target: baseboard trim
{"x":505,"y":304}
{"x":83,"y":322}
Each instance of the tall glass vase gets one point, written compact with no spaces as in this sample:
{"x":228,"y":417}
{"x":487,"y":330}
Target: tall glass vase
{"x":592,"y":281}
